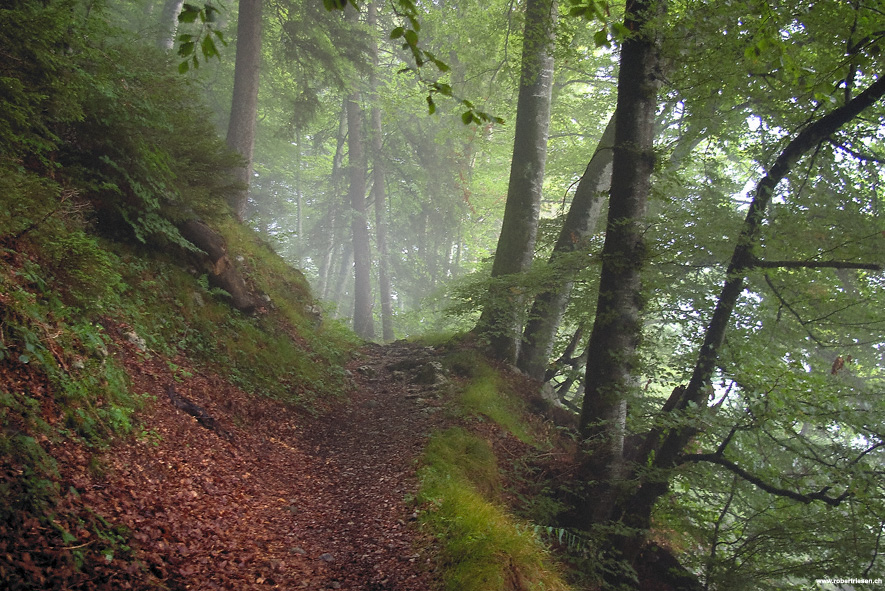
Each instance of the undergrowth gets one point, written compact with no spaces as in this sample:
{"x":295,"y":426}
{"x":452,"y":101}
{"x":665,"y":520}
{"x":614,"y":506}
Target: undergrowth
{"x":484,"y":548}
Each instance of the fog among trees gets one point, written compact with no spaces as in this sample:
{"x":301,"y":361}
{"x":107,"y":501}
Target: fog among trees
{"x":667,"y":213}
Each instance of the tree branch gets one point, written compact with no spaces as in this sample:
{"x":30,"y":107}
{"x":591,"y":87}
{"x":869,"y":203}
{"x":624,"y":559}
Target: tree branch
{"x":743,"y":259}
{"x":821,"y":495}
{"x":816,"y":265}
{"x":857,"y":154}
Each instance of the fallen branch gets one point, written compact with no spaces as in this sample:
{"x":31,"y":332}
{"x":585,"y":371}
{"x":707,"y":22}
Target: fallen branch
{"x":198,"y":412}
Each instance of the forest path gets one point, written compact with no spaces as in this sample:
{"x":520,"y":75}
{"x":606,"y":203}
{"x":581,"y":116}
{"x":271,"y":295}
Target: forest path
{"x":275,"y":498}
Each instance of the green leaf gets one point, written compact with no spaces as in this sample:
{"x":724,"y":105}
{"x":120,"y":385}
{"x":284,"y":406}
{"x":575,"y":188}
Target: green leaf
{"x":397,"y":33}
{"x":467,"y":117}
{"x":220,"y":36}
{"x":188,"y":14}
{"x":183,"y":67}
{"x":600,"y":38}
{"x":186,"y":49}
{"x":208,"y":47}
{"x":431,"y":106}
{"x":211,"y":13}
{"x":620,"y":31}
{"x":411,"y":37}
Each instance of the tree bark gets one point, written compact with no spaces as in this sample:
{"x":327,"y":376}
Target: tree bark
{"x":244,"y":107}
{"x":614,"y":340}
{"x":169,"y":24}
{"x":363,"y":323}
{"x":503,"y":309}
{"x":379,"y":195}
{"x":580,"y":222}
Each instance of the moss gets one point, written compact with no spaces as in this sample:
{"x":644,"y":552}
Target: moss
{"x":484,"y":548}
{"x":486,"y":394}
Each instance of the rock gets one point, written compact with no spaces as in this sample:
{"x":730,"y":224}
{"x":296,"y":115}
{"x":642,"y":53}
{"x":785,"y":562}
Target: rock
{"x":136,"y":340}
{"x":367,"y":371}
{"x":431,"y":373}
{"x":327,"y":557}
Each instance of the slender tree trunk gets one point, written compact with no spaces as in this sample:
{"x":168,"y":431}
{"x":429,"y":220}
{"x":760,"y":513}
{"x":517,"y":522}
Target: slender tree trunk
{"x":363,"y":323}
{"x":330,"y":231}
{"x":503,"y":309}
{"x":244,"y":108}
{"x":614,"y":340}
{"x":169,"y":24}
{"x":580,"y":222}
{"x":344,"y":272}
{"x":379,"y":196}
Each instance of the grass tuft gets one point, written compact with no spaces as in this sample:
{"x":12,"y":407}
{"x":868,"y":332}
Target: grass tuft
{"x":483,"y":547}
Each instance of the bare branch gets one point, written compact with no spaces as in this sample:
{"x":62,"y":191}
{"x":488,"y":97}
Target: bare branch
{"x":821,"y":495}
{"x":817,"y":265}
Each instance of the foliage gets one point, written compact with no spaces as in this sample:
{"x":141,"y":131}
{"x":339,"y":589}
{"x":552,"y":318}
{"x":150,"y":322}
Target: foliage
{"x":204,"y":40}
{"x":486,"y":395}
{"x":483,"y":547}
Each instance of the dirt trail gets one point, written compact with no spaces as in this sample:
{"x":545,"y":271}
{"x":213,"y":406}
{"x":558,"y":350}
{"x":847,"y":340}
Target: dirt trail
{"x":284,"y":500}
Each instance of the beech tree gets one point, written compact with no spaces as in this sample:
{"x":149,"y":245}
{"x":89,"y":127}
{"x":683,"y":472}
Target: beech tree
{"x":501,"y":316}
{"x":689,"y":428}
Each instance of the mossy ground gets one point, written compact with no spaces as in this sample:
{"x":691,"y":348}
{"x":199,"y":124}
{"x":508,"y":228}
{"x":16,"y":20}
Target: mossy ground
{"x":484,"y":545}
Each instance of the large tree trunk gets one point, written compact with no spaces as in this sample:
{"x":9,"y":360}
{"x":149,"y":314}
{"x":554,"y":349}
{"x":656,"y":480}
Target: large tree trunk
{"x":379,"y":195}
{"x":614,"y":340}
{"x":363,"y":323}
{"x":169,"y":24}
{"x":503,"y":309}
{"x":580,"y":222}
{"x":244,"y":107}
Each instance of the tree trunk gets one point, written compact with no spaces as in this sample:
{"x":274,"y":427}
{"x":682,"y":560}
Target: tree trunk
{"x":329,"y":235}
{"x":220,"y":269}
{"x":169,"y":24}
{"x":662,"y":448}
{"x":344,"y":272}
{"x":363,"y":323}
{"x":503,"y":309}
{"x":244,"y":107}
{"x":379,"y":196}
{"x":580,"y":222}
{"x":614,"y":340}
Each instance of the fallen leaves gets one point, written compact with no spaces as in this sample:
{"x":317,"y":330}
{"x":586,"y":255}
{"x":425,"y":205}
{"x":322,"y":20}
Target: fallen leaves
{"x":289,"y":501}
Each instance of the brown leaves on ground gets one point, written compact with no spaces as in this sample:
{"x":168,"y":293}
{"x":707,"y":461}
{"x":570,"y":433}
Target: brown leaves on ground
{"x":288,"y":501}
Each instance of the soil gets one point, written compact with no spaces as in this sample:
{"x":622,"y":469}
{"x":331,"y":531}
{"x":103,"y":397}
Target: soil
{"x":263,"y":496}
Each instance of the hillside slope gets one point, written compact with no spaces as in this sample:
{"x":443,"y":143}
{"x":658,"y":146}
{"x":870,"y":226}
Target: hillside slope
{"x":263,"y":496}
